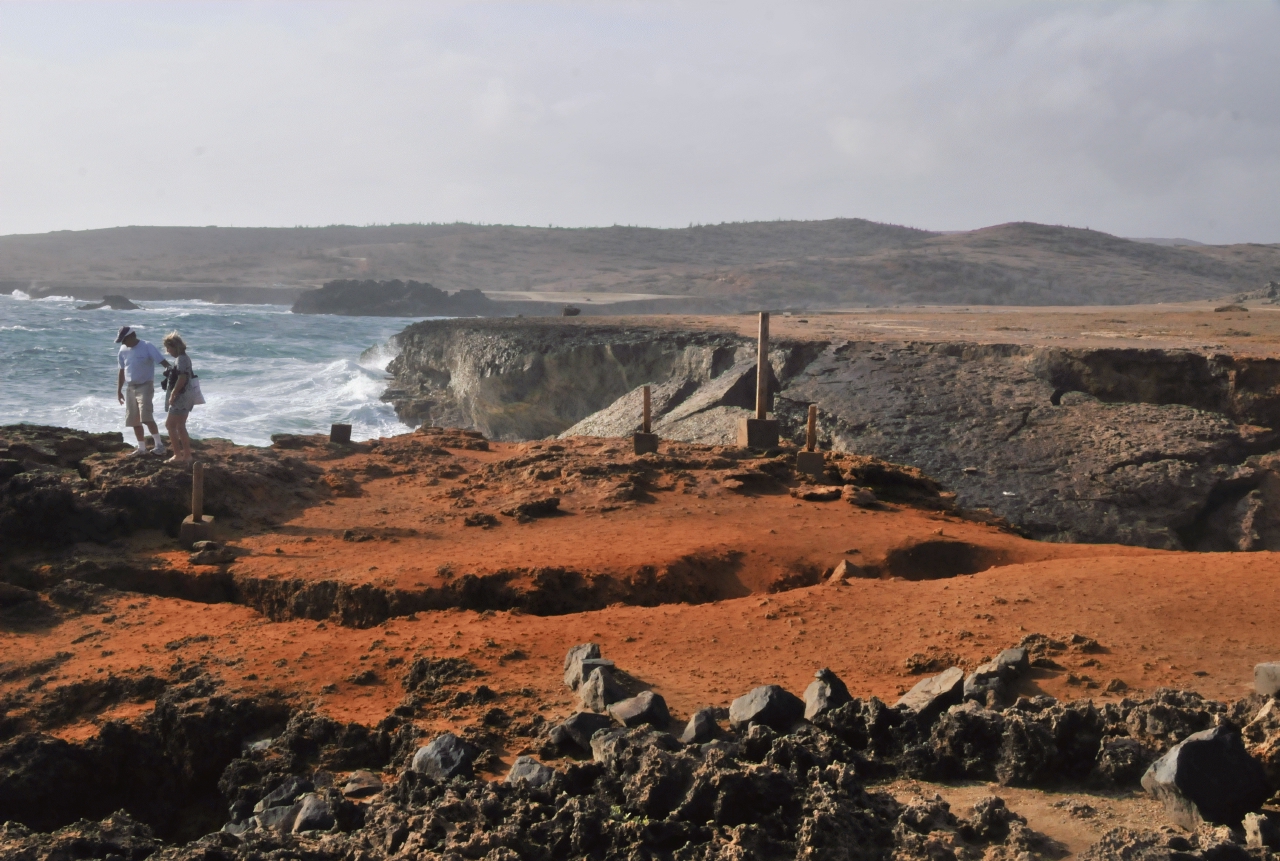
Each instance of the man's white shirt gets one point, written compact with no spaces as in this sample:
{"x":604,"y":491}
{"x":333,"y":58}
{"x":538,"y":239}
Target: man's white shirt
{"x":139,"y":362}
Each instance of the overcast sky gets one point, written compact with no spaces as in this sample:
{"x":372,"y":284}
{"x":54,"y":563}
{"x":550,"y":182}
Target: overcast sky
{"x":1158,"y":119}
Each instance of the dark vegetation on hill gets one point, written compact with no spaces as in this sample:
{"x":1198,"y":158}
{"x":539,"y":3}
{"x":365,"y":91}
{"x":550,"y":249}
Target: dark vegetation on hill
{"x":834,"y":263}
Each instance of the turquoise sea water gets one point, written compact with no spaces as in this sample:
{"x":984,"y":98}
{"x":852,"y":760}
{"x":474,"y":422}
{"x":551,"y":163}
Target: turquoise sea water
{"x":263,"y":370}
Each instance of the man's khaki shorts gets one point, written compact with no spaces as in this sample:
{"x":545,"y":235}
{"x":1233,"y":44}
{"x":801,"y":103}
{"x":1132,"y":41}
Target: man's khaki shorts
{"x":137,"y":403}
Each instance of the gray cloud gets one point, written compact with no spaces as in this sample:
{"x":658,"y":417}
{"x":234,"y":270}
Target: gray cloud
{"x":1139,"y":119}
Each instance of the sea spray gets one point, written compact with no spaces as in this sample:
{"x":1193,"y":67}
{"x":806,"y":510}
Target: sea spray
{"x":263,"y":370}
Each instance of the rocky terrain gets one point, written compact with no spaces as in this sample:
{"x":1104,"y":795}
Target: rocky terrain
{"x":370,"y":662}
{"x":1153,"y":446}
{"x":839,"y":263}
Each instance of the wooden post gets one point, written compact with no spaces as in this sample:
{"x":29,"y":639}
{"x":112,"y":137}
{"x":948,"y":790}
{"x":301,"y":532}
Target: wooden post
{"x":811,"y":462}
{"x":762,"y":369}
{"x":197,"y":492}
{"x":196,"y":526}
{"x":760,"y":432}
{"x":645,"y":441}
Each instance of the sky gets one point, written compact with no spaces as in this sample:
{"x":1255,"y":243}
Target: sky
{"x":1140,"y":119}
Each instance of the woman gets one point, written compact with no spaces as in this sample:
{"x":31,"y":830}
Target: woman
{"x":183,"y":394}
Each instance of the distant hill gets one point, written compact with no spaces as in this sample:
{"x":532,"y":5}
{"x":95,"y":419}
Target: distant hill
{"x":834,"y":263}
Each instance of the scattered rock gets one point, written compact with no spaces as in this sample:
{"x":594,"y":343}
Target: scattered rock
{"x":12,"y":596}
{"x":573,"y":663}
{"x":285,"y":794}
{"x":701,"y":728}
{"x":1209,"y":778}
{"x":644,"y":708}
{"x":1262,"y":830}
{"x":989,"y":683}
{"x":1266,"y":678}
{"x":362,"y":784}
{"x":481,"y":519}
{"x":846,"y":570}
{"x":531,"y":508}
{"x":768,"y":705}
{"x":931,"y":696}
{"x":314,"y":814}
{"x":528,"y":770}
{"x":445,"y":757}
{"x":582,"y":726}
{"x":825,"y":692}
{"x":600,"y":691}
{"x":113,"y":301}
{"x":863,"y":497}
{"x":816,"y":494}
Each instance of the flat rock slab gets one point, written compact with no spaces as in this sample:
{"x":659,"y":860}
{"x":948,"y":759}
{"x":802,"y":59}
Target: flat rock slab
{"x":1209,"y":778}
{"x":362,"y":784}
{"x":931,"y":696}
{"x":769,"y":705}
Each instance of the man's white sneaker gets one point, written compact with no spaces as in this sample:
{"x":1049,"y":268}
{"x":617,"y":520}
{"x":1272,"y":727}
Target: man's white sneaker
{"x":160,"y":449}
{"x":142,"y":449}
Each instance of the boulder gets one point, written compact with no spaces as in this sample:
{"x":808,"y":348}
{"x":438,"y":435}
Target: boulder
{"x":825,"y":692}
{"x":644,"y":708}
{"x":11,"y":596}
{"x":362,"y":784}
{"x":582,"y":726}
{"x":768,"y":705}
{"x":314,"y":814}
{"x":701,"y":728}
{"x":1013,"y":663}
{"x":600,"y":691}
{"x":279,"y":818}
{"x":935,"y":694}
{"x":573,"y":663}
{"x":447,"y":756}
{"x":1209,"y":778}
{"x":1266,"y":678}
{"x":285,"y":794}
{"x":528,"y":770}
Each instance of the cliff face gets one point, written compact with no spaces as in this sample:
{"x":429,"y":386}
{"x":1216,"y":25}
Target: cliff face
{"x":1161,"y":448}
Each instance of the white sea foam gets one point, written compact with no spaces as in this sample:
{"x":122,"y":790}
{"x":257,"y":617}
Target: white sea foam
{"x":262,"y":369}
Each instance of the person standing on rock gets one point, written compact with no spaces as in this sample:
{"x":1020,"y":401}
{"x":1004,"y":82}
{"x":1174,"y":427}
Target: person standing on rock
{"x":135,"y":387}
{"x":181,"y":394}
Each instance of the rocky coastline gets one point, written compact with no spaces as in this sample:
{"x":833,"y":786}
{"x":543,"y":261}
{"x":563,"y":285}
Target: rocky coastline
{"x":1150,"y":447}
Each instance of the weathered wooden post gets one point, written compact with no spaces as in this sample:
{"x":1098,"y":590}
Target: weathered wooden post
{"x":196,"y":526}
{"x":760,"y":432}
{"x":340,"y":434}
{"x":811,"y":461}
{"x":646,"y":441}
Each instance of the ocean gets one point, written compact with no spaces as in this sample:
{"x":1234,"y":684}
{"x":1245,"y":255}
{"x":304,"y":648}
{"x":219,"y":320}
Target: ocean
{"x":263,"y":370}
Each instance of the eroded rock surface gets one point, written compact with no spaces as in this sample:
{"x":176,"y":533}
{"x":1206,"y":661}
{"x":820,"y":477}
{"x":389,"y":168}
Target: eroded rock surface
{"x":1161,"y":448}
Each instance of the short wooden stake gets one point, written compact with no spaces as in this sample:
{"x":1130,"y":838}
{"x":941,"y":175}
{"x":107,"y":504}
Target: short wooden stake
{"x":810,"y":462}
{"x":196,"y":526}
{"x":646,"y":425}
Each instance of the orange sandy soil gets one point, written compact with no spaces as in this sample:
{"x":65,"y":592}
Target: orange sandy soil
{"x":1197,"y":621}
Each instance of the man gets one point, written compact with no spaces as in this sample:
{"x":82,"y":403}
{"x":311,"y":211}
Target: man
{"x":135,"y":387}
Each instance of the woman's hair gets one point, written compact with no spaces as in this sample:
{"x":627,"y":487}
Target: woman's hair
{"x":173,"y":339}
